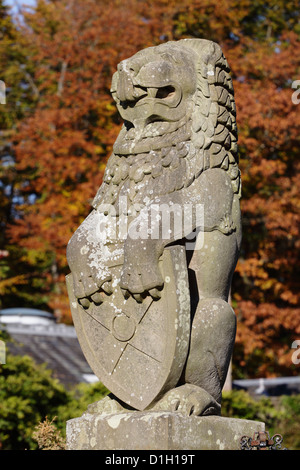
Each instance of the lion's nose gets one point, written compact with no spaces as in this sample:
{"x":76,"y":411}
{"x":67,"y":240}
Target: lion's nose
{"x":125,"y":88}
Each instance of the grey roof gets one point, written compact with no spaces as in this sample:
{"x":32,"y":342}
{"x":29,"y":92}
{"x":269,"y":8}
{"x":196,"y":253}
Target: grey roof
{"x":274,"y":386}
{"x":26,"y":311}
{"x":57,"y":345}
{"x":54,"y":344}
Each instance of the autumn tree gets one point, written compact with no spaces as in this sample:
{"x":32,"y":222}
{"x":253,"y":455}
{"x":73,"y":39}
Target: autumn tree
{"x":62,"y":145}
{"x":63,"y":142}
{"x":18,"y":96}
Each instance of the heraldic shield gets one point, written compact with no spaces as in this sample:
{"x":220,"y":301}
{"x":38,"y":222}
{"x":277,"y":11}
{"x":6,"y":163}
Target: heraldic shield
{"x":138,"y":350}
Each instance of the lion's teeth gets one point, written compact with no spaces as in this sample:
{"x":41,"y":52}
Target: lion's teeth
{"x":152,"y":92}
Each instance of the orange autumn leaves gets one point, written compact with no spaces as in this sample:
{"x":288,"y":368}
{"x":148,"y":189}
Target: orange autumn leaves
{"x":62,"y":142}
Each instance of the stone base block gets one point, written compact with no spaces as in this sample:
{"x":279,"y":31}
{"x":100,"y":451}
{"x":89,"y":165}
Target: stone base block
{"x":157,"y":430}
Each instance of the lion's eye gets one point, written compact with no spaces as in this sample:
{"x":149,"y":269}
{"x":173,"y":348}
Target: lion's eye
{"x":165,"y":92}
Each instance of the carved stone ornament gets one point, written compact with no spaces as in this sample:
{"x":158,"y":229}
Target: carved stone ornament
{"x":151,"y":266}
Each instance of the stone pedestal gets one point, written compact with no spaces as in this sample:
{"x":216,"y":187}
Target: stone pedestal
{"x":157,"y":430}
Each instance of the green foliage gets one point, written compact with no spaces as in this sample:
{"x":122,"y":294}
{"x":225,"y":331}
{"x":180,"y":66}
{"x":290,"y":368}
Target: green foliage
{"x":31,"y":400}
{"x":280,"y":415}
{"x":79,"y":398}
{"x":239,"y":404}
{"x":28,"y":394}
{"x":290,"y":424}
{"x":291,"y":405}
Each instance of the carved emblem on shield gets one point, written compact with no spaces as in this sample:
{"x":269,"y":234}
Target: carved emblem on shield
{"x":138,"y":350}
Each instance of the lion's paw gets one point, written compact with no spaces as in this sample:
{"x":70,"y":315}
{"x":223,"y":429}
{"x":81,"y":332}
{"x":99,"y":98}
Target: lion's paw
{"x":189,"y":400}
{"x":140,"y":279}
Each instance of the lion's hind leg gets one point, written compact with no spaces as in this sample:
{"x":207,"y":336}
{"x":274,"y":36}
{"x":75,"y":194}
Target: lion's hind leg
{"x":214,"y":322}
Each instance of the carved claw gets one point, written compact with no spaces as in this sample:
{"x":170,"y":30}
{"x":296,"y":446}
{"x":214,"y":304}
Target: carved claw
{"x":107,"y":287}
{"x":86,"y":285}
{"x":84,"y":302}
{"x":189,"y":400}
{"x":141,"y":280}
{"x":155,"y":293}
{"x":125,"y":293}
{"x":138,"y":297}
{"x":97,"y":297}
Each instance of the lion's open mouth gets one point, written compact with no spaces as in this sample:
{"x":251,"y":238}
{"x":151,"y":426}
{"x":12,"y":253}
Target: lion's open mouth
{"x":155,"y":126}
{"x":139,"y":93}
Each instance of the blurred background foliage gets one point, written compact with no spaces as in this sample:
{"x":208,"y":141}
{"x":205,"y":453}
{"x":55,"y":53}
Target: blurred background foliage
{"x":59,"y":124}
{"x":57,"y":129}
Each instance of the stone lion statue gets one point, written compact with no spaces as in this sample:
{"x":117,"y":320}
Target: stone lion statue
{"x":178,"y":146}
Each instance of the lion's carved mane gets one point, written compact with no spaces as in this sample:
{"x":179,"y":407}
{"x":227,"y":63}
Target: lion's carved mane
{"x":168,"y":156}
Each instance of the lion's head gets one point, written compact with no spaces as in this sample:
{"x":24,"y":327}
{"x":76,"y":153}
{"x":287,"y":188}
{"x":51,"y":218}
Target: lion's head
{"x":178,"y":107}
{"x":156,"y":85}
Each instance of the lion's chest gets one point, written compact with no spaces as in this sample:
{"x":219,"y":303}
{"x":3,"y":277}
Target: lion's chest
{"x":133,"y":181}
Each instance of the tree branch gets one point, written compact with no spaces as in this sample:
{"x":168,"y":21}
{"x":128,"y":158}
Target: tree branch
{"x":60,"y":85}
